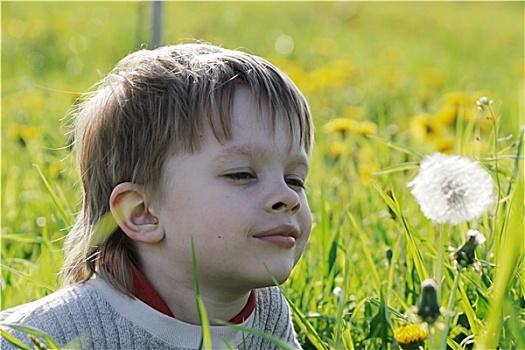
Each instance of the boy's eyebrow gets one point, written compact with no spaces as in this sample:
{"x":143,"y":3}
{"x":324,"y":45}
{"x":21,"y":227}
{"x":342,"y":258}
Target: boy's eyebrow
{"x":296,"y":159}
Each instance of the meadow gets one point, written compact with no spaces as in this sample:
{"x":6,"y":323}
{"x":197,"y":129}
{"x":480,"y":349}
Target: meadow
{"x":387,"y":82}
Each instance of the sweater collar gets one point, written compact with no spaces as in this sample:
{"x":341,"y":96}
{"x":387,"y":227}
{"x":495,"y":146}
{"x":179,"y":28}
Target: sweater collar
{"x":145,"y":292}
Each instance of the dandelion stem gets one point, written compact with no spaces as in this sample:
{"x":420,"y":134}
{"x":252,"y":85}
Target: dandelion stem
{"x":449,"y":310}
{"x":496,"y":172}
{"x":443,"y":237}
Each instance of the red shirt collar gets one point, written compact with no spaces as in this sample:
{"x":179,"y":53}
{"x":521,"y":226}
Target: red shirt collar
{"x":145,"y":292}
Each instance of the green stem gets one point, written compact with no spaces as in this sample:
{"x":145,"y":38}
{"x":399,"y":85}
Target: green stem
{"x":449,"y":310}
{"x":438,"y":273}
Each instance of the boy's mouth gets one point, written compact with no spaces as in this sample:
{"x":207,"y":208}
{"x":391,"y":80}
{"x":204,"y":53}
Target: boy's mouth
{"x":283,"y":236}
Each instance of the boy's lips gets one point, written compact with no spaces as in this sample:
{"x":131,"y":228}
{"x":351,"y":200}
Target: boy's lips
{"x":282,"y":235}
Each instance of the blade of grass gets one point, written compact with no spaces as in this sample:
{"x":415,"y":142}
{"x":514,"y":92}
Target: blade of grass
{"x":468,"y":310}
{"x":366,"y":251}
{"x":396,"y":146}
{"x":450,"y":309}
{"x":301,"y":320}
{"x":54,"y":197}
{"x":33,"y":331}
{"x":398,"y":167}
{"x":410,"y":232}
{"x":307,"y":328}
{"x":508,"y":258}
{"x":22,"y":237}
{"x":347,"y":338}
{"x":201,"y":309}
{"x":14,"y":340}
{"x":272,"y":339}
{"x":392,"y":269}
{"x":393,"y":204}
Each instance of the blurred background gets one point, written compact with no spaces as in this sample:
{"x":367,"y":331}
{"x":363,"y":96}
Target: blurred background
{"x":409,"y":68}
{"x":407,"y":72}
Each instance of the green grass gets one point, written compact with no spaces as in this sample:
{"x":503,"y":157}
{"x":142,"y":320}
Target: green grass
{"x":387,"y":63}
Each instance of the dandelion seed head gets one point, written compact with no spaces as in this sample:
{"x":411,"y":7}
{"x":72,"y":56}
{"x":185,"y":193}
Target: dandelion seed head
{"x":478,"y":236}
{"x":452,"y":189}
{"x":465,"y":255}
{"x":428,"y":307}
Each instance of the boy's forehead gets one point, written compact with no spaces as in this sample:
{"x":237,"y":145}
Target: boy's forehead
{"x":296,"y":157}
{"x":252,"y":115}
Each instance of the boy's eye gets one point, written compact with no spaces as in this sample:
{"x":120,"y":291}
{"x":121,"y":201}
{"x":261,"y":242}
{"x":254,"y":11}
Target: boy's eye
{"x":296,"y":183}
{"x":240,"y":176}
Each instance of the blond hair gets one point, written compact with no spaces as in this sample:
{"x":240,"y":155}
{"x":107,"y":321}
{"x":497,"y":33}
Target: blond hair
{"x":154,"y":104}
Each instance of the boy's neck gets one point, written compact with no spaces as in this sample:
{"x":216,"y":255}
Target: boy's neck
{"x":180,"y":298}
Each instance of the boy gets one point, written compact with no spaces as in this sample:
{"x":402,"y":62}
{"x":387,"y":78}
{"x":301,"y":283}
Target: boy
{"x":184,"y":148}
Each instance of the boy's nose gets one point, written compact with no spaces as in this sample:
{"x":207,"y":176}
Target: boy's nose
{"x":283,"y":199}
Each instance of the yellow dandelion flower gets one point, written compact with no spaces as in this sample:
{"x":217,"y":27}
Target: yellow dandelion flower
{"x":485,"y":123}
{"x":367,"y":127}
{"x":424,"y":127}
{"x":24,"y":133}
{"x":332,"y":75}
{"x":56,"y":169}
{"x":341,"y":125}
{"x":447,"y":114}
{"x":411,"y":336}
{"x":445,"y":144}
{"x":345,"y":125}
{"x":30,"y":132}
{"x":458,"y":98}
{"x":336,"y":149}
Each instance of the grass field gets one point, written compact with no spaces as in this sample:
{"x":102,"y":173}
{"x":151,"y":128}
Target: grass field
{"x":387,"y":83}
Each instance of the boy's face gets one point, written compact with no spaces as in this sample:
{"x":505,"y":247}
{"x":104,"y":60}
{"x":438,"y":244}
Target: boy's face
{"x":241,"y":202}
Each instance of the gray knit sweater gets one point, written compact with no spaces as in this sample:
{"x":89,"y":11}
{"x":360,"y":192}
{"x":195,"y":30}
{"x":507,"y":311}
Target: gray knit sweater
{"x":93,"y":315}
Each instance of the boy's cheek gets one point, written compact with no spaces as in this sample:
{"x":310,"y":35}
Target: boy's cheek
{"x":307,"y":213}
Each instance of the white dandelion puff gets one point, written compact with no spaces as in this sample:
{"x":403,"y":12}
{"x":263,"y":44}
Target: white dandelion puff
{"x":452,"y":189}
{"x":465,"y":256}
{"x":478,"y":236}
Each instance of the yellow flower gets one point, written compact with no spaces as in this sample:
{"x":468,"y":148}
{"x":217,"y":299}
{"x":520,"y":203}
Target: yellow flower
{"x":367,"y":128}
{"x":458,"y":98}
{"x":410,"y":336}
{"x":445,"y":144}
{"x":345,"y":125}
{"x":56,"y":169}
{"x":424,"y":127}
{"x":335,"y":149}
{"x":341,"y":125}
{"x":332,"y":75}
{"x":447,"y":114}
{"x":24,"y":133}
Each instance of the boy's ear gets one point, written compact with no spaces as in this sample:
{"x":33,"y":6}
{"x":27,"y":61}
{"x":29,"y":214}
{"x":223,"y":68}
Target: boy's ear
{"x":128,"y":206}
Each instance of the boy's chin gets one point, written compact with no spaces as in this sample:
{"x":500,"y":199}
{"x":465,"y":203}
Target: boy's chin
{"x":275,"y":276}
